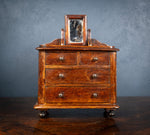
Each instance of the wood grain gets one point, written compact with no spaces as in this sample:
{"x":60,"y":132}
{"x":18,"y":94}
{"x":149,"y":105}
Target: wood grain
{"x":89,"y":37}
{"x":53,"y":58}
{"x":73,"y":76}
{"x":87,"y":58}
{"x":62,"y":37}
{"x":77,"y":75}
{"x":77,"y":94}
{"x":17,"y":117}
{"x":94,"y":47}
{"x":41,"y":77}
{"x":113,"y":77}
{"x":77,"y":70}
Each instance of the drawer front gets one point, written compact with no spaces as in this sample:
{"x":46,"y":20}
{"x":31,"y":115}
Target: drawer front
{"x":58,"y":58}
{"x":77,"y":76}
{"x":77,"y":94}
{"x":94,"y":58}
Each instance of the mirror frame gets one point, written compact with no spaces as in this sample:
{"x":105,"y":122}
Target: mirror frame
{"x":84,"y":29}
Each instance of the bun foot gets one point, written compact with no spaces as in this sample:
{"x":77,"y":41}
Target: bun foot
{"x":43,"y":114}
{"x":109,"y":113}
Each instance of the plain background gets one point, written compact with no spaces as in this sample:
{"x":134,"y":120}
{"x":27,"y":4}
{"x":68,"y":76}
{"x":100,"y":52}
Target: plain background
{"x":24,"y":24}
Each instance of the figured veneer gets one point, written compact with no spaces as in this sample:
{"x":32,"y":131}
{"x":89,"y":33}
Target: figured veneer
{"x":77,"y":94}
{"x":74,"y":76}
{"x":55,"y":58}
{"x":77,"y":77}
{"x":94,"y":58}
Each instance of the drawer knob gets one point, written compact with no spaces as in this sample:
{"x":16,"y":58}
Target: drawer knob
{"x":95,"y":59}
{"x":61,"y":75}
{"x":95,"y":95}
{"x":61,"y":95}
{"x":94,"y":75}
{"x":61,"y":58}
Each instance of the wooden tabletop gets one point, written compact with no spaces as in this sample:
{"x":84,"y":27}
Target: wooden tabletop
{"x":17,"y":117}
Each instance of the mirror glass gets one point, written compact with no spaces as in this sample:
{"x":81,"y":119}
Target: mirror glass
{"x":76,"y":30}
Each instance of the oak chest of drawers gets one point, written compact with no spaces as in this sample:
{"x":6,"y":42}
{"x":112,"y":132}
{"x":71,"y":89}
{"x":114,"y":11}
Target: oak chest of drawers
{"x":72,"y":76}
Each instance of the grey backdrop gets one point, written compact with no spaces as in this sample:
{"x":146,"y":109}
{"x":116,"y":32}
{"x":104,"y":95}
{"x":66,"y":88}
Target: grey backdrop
{"x":24,"y":24}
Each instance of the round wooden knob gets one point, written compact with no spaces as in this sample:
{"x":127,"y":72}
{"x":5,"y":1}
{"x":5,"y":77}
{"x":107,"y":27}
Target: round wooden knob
{"x":95,"y":95}
{"x":95,"y":59}
{"x":94,"y":75}
{"x":61,"y":95}
{"x":61,"y":58}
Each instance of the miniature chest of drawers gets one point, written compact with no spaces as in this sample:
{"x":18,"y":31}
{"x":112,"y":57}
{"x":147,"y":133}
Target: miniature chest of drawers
{"x":76,"y":76}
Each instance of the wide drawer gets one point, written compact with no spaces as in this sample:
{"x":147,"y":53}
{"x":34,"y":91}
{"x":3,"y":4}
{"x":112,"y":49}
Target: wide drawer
{"x":61,"y":58}
{"x":77,"y":94}
{"x":76,"y":76}
{"x":94,"y":58}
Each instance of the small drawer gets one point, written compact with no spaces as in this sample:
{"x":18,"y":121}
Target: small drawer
{"x":77,"y":94}
{"x":60,"y":58}
{"x":77,"y":76}
{"x":94,"y":58}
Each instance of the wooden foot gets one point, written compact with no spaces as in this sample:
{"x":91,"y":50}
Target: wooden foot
{"x":43,"y":114}
{"x":109,"y":113}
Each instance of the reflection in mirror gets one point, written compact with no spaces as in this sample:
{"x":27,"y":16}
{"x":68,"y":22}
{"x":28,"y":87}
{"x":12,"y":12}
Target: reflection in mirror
{"x":76,"y":30}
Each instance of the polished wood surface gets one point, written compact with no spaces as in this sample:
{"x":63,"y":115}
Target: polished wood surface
{"x":72,"y":73}
{"x":76,"y":71}
{"x":89,"y":37}
{"x":77,"y":94}
{"x":95,"y":46}
{"x":95,"y":58}
{"x":17,"y":117}
{"x":61,"y":58}
{"x":62,"y":36}
{"x":73,"y":76}
{"x":41,"y":77}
